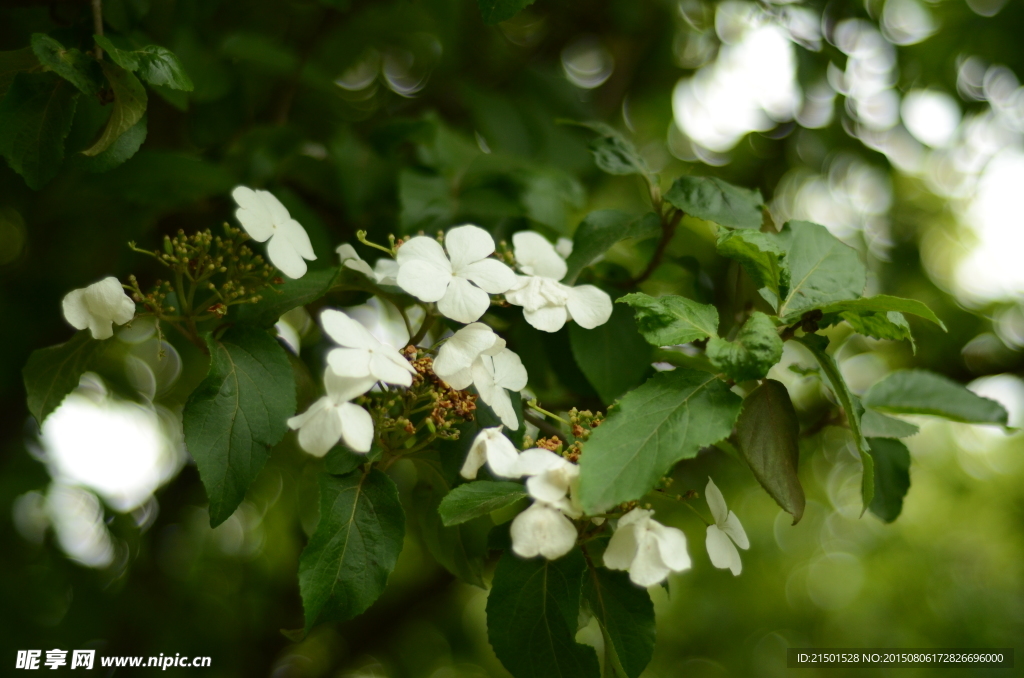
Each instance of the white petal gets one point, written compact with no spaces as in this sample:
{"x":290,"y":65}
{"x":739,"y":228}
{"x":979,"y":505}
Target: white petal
{"x":296,"y":235}
{"x":542,"y":530}
{"x":101,"y":328}
{"x":278,"y":212}
{"x":319,"y":427}
{"x":386,"y":271}
{"x":463,"y":301}
{"x":284,"y":256}
{"x":537,"y":460}
{"x":589,"y":306}
{"x":300,"y":420}
{"x":502,"y":406}
{"x":549,"y":487}
{"x":536,"y":256}
{"x":734,"y":529}
{"x":638,"y":516}
{"x":547,"y":318}
{"x":289,"y":335}
{"x":483,"y":378}
{"x":347,"y":331}
{"x":360,"y":266}
{"x":462,"y":348}
{"x":387,"y":370}
{"x":425,"y":249}
{"x":423,"y":279}
{"x":466,"y":244}
{"x":75,"y":310}
{"x":501,"y":454}
{"x":350,"y":362}
{"x":509,"y":371}
{"x":476,"y":458}
{"x":356,"y":427}
{"x":564,"y":247}
{"x":346,"y":252}
{"x":672,"y":545}
{"x":716,"y":502}
{"x":107,"y":299}
{"x":621,"y":548}
{"x":648,"y":568}
{"x":460,"y":380}
{"x":253,"y":214}
{"x":490,"y":275}
{"x":340,"y":388}
{"x":721,"y":550}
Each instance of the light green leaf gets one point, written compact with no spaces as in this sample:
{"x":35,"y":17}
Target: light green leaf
{"x":52,"y":373}
{"x":669,"y":418}
{"x":613,"y":356}
{"x":877,"y":425}
{"x":14,"y":62}
{"x":237,"y":413}
{"x":626,"y":615}
{"x":600,"y":230}
{"x":35,"y":118}
{"x":883,"y":303}
{"x":154,"y":64}
{"x":118,"y":153}
{"x":892,"y":477}
{"x":479,"y":498}
{"x":80,"y":69}
{"x":886,"y":325}
{"x":496,"y":11}
{"x":923,"y":392}
{"x":763,"y":258}
{"x":718,"y":201}
{"x":671,"y":320}
{"x":346,"y":564}
{"x":823,"y":270}
{"x":129,"y":106}
{"x":532,"y":614}
{"x":757,"y":347}
{"x":767,"y":434}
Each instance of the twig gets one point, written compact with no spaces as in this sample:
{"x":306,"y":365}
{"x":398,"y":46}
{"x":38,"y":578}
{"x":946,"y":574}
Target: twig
{"x":546,"y":427}
{"x":668,"y":229}
{"x":97,"y":25}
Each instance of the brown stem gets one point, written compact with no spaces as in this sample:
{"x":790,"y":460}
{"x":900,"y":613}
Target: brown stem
{"x":668,"y":230}
{"x":546,"y":427}
{"x":97,"y":25}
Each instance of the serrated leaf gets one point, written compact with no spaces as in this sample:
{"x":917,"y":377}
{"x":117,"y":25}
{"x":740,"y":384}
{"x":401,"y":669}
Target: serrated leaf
{"x":626,"y":615}
{"x":496,"y":11}
{"x":671,"y":320}
{"x":763,"y":258}
{"x":354,"y":548}
{"x":823,"y":270}
{"x":340,"y":460}
{"x":768,"y":437}
{"x":715,"y":200}
{"x":756,"y":348}
{"x":119,"y":152}
{"x":479,"y":498}
{"x":877,"y":425}
{"x":128,"y":108}
{"x":154,"y":64}
{"x":14,"y":62}
{"x":892,"y":477}
{"x":616,"y":155}
{"x":889,"y":325}
{"x":883,"y":303}
{"x":35,"y":118}
{"x":52,"y":373}
{"x":923,"y":392}
{"x":670,"y":418}
{"x":532,"y":613}
{"x":613,"y":356}
{"x":237,"y":414}
{"x":600,"y":230}
{"x":78,"y":68}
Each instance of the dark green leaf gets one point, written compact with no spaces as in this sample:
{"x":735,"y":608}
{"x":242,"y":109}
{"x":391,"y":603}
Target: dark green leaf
{"x":14,"y":62}
{"x":877,"y":425}
{"x":346,"y":564}
{"x":886,"y":325}
{"x":532,"y":614}
{"x":154,"y":64}
{"x":923,"y":392}
{"x":340,"y":460}
{"x":80,"y":69}
{"x":613,"y":356}
{"x":426,"y":201}
{"x":479,"y":498}
{"x":892,"y":477}
{"x":762,"y":257}
{"x":119,"y":152}
{"x":165,"y":179}
{"x":669,"y":418}
{"x":52,"y":373}
{"x":35,"y":118}
{"x":883,"y":303}
{"x":278,"y":300}
{"x":129,"y":106}
{"x":495,"y":11}
{"x":715,"y":200}
{"x":756,"y":348}
{"x":822,"y":269}
{"x":600,"y":230}
{"x":767,"y":434}
{"x":671,"y":320}
{"x":237,"y":413}
{"x":626,"y":615}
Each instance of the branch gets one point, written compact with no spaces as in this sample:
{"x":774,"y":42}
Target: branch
{"x":97,"y":25}
{"x":668,"y":229}
{"x":546,"y":427}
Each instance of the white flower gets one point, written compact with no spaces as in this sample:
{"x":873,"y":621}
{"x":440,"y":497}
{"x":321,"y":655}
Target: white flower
{"x":726,"y":530}
{"x":292,"y":326}
{"x":564,"y":247}
{"x":548,"y":304}
{"x":384,"y":271}
{"x":97,"y":306}
{"x":332,"y":417}
{"x":551,"y":476}
{"x":363,"y":355}
{"x":542,"y":530}
{"x":492,"y":375}
{"x":645,"y":547}
{"x":461,"y":280}
{"x":492,"y":447}
{"x":264,"y":218}
{"x":456,"y":356}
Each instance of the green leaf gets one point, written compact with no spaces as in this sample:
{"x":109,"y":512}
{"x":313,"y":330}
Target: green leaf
{"x":340,"y":460}
{"x":165,"y":179}
{"x":426,"y":201}
{"x":757,"y":347}
{"x":883,"y":303}
{"x":763,"y":258}
{"x":892,"y":477}
{"x":14,"y":62}
{"x":823,"y":270}
{"x":669,"y":418}
{"x":877,"y":425}
{"x":119,"y":152}
{"x":614,"y":357}
{"x":923,"y":392}
{"x":129,"y":106}
{"x":600,"y":230}
{"x":52,"y":373}
{"x":616,"y":155}
{"x":671,"y":320}
{"x":345,"y":566}
{"x":768,"y":437}
{"x":237,"y":413}
{"x":626,"y":615}
{"x":278,"y":300}
{"x":154,"y":64}
{"x":35,"y":118}
{"x":715,"y":200}
{"x":886,"y":325}
{"x":80,"y":69}
{"x":816,"y":345}
{"x":479,"y":498}
{"x":532,"y":614}
{"x":496,"y":11}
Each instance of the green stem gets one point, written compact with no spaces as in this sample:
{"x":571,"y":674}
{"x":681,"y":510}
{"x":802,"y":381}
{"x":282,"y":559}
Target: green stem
{"x":533,"y":405}
{"x":428,"y":322}
{"x":361,"y":237}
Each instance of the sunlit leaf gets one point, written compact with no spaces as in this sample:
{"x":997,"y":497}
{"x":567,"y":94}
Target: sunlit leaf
{"x":823,"y":270}
{"x":718,"y":201}
{"x":671,"y":320}
{"x":923,"y":392}
{"x":154,"y":64}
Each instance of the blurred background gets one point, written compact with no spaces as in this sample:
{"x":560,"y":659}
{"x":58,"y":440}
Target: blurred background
{"x":898,"y":124}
